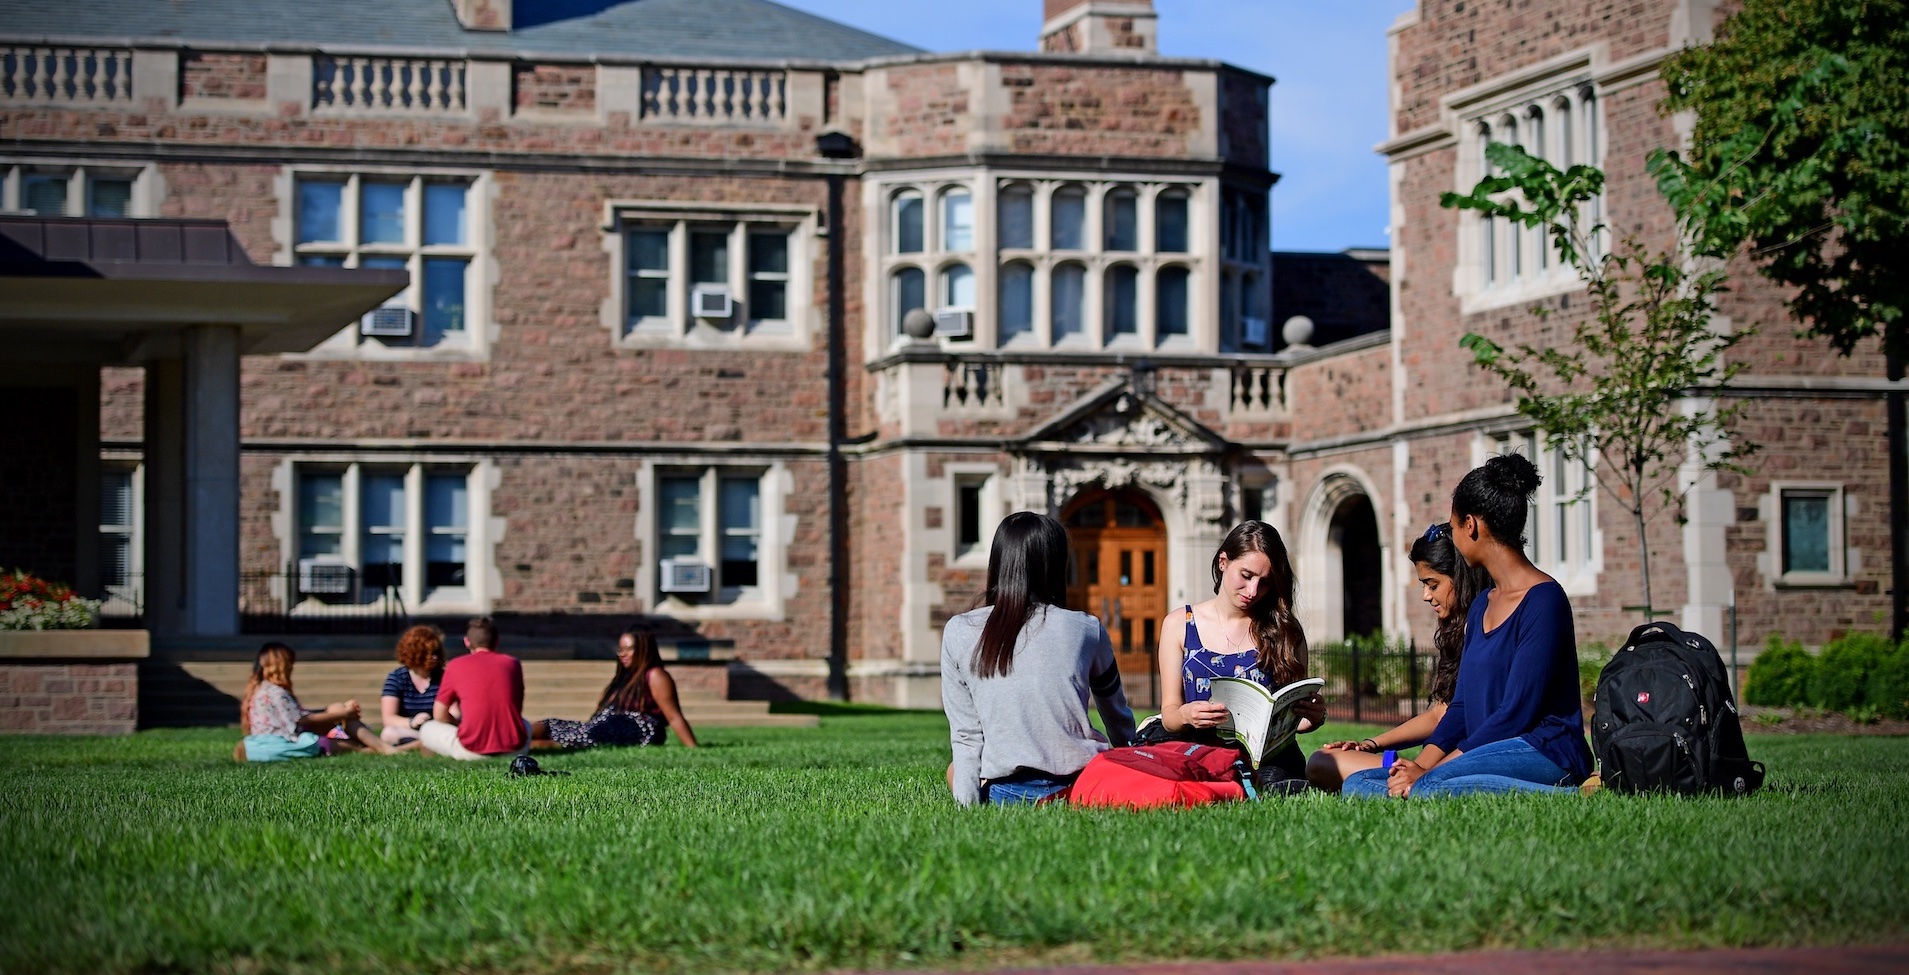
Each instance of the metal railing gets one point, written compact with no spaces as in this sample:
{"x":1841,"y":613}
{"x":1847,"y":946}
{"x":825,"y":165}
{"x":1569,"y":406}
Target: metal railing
{"x":1369,"y":680}
{"x":322,"y":599}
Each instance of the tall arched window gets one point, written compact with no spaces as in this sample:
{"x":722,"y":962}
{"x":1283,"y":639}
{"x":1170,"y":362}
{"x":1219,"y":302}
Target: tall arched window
{"x":907,"y":291}
{"x":957,"y":220}
{"x":1487,"y":226}
{"x":1016,"y":205}
{"x":1534,"y":139}
{"x":1170,"y":223}
{"x":1120,"y":310}
{"x":906,"y":223}
{"x":1068,"y":300}
{"x":1122,"y":216}
{"x":1070,"y":219}
{"x":957,"y":286}
{"x":1170,"y":302}
{"x":1017,"y":299}
{"x":1514,"y":257}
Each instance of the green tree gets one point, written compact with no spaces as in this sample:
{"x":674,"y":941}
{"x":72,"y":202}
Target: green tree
{"x":1800,"y":153}
{"x":1632,"y":394}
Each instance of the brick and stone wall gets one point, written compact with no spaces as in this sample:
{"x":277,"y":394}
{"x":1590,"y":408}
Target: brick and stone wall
{"x":554,"y":87}
{"x":222,"y":76}
{"x":55,"y":698}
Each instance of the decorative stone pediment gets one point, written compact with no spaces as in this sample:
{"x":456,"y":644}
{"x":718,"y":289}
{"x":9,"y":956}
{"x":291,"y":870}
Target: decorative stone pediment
{"x":1119,"y":418}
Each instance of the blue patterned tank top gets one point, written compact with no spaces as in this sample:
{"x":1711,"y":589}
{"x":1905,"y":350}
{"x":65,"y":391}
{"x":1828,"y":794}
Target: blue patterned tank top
{"x":1200,"y":665}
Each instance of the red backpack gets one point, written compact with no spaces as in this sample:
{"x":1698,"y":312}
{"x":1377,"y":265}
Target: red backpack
{"x":1173,"y":773}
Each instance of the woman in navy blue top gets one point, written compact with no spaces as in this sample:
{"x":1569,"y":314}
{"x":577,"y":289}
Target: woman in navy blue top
{"x":1516,"y":720}
{"x":1247,"y":630}
{"x":411,"y":690}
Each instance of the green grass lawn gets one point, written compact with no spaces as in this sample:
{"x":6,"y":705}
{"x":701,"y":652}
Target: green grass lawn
{"x":775,"y":849}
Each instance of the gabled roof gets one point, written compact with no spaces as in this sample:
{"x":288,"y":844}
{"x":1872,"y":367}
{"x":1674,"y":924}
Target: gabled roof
{"x":1118,"y":418}
{"x":720,"y":30}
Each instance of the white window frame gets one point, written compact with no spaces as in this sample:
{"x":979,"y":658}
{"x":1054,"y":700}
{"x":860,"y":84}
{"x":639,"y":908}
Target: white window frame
{"x":678,"y":328}
{"x":1501,"y":265}
{"x":479,"y":275}
{"x":80,"y":176}
{"x":1843,"y":561}
{"x":992,"y":508}
{"x":1580,"y":534}
{"x":130,"y":599}
{"x":481,"y":579}
{"x":764,"y":600}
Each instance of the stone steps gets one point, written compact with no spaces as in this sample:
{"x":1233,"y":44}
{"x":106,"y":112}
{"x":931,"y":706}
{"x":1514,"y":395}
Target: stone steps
{"x":189,"y":693}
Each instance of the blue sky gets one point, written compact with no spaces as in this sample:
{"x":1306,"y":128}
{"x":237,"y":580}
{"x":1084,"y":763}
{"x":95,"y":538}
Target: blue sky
{"x":1328,"y":107}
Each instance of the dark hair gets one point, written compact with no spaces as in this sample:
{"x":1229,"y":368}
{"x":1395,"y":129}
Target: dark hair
{"x":1276,"y":631}
{"x":481,"y":632}
{"x":1435,"y":548}
{"x":419,"y":644}
{"x":629,"y":688}
{"x":1498,"y":493}
{"x":1027,"y":567}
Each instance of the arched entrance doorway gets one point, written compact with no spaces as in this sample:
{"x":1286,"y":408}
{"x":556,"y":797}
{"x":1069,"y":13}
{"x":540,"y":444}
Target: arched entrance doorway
{"x":1353,"y":541}
{"x":1117,"y":570}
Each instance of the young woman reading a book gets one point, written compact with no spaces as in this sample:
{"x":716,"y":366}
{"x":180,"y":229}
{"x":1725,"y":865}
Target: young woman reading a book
{"x":1516,"y":721}
{"x":1447,"y":585}
{"x":1247,"y":630}
{"x":1016,"y":675}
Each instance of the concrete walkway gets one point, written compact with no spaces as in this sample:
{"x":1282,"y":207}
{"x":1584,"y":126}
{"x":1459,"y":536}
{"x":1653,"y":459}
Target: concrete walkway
{"x":1882,"y":960}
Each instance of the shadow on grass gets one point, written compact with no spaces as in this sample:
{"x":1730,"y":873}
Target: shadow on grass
{"x":832,"y":709}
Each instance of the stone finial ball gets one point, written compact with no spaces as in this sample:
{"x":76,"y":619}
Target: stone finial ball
{"x":1297,"y":330}
{"x":918,"y":324}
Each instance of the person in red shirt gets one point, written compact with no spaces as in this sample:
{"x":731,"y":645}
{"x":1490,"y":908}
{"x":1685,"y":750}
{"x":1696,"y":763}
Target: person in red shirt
{"x":480,"y":701}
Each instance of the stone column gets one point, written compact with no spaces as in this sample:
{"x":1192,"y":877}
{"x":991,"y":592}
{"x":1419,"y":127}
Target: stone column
{"x":212,"y":480}
{"x":165,"y":459}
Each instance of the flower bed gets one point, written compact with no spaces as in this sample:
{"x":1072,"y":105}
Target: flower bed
{"x":28,"y":602}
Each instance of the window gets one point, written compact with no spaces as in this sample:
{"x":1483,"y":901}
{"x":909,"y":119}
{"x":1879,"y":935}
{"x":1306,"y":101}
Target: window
{"x":45,"y":194}
{"x":671,"y":261}
{"x":1017,"y":218}
{"x":1170,"y":223}
{"x":419,"y":224}
{"x":1561,"y":523}
{"x":907,"y":230}
{"x":69,"y":190}
{"x":1123,"y":221}
{"x":1242,"y":226}
{"x":1807,"y":542}
{"x":908,"y":290}
{"x":1123,"y":299}
{"x":1170,"y":302}
{"x":1069,"y":225}
{"x":957,"y":287}
{"x":1070,"y":285}
{"x":403,"y":531}
{"x":957,"y":221}
{"x":1017,"y":300}
{"x":976,"y":513}
{"x":122,"y":582}
{"x":713,"y":517}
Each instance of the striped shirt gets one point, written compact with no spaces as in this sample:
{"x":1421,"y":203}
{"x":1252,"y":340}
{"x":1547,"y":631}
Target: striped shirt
{"x":411,"y":701}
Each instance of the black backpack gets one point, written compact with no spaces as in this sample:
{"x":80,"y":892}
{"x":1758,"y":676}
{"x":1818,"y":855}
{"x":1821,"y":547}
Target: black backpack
{"x":1665,"y":719}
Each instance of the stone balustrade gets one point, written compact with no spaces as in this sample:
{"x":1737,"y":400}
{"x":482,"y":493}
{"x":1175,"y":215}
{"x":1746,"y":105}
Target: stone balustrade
{"x":1257,"y":389}
{"x":50,"y":75}
{"x":715,"y":96}
{"x":351,"y":85}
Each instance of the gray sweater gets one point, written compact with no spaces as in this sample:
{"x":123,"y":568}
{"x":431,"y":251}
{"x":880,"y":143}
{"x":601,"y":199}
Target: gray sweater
{"x":1035,"y":717}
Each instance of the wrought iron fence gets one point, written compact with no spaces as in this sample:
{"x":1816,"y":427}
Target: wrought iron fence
{"x":304,"y":597}
{"x":1371,"y":680}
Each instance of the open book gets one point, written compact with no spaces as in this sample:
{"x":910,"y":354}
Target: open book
{"x":1259,"y":720}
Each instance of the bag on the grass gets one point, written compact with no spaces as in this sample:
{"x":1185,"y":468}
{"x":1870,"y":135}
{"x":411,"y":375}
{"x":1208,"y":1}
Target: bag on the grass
{"x":1171,"y":773}
{"x":1665,"y":719}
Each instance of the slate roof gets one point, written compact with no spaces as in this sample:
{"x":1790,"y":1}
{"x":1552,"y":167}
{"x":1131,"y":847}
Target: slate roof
{"x":1346,"y":294}
{"x":720,"y":30}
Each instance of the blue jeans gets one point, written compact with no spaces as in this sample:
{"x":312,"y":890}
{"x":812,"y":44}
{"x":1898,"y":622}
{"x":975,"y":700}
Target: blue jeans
{"x":1023,"y":791}
{"x":1510,"y":765}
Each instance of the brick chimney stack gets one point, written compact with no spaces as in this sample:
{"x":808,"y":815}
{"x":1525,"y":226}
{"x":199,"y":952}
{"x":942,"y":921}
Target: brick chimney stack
{"x":1100,"y":27}
{"x":483,"y":14}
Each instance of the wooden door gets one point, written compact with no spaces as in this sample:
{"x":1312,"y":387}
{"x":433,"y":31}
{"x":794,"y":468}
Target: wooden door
{"x":1117,"y":570}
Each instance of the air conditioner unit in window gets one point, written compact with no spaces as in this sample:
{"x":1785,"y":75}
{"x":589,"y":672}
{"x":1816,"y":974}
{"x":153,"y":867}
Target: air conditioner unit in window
{"x":391,"y":321}
{"x":954,"y":323}
{"x":1253,"y":331}
{"x":320,"y":578}
{"x":685,"y":575}
{"x":711,"y":301}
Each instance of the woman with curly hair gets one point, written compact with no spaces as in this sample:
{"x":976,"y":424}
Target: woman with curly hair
{"x":277,"y":729}
{"x":410,"y":690}
{"x":639,"y":701}
{"x":1447,"y":585}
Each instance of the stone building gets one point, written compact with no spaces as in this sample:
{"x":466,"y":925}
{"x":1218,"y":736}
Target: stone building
{"x":665,"y":258}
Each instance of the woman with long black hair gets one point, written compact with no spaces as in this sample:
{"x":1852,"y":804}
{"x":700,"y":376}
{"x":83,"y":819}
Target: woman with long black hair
{"x":636,"y":705}
{"x":1447,"y":585}
{"x":1016,"y":675}
{"x":1516,"y":719}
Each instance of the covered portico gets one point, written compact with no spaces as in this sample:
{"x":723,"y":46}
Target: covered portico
{"x":183,"y":300}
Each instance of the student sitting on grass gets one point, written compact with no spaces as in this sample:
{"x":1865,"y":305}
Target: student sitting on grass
{"x":411,"y":690}
{"x":1016,"y":675}
{"x":277,"y":729}
{"x":639,"y":701}
{"x":1516,"y":721}
{"x":487,"y":689}
{"x":1247,"y":630}
{"x":1448,"y":585}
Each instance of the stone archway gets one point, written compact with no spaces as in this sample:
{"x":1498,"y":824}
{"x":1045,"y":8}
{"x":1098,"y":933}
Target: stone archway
{"x":1352,"y":538}
{"x":1341,"y":559}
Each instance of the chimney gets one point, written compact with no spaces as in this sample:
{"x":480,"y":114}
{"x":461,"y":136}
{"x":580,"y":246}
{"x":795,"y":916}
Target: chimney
{"x":1100,"y":27}
{"x":482,"y":14}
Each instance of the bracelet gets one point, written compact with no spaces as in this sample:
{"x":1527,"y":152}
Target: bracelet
{"x":1370,"y":741}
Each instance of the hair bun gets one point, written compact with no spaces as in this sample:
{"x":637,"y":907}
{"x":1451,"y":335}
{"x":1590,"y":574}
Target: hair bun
{"x":1514,"y":472}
